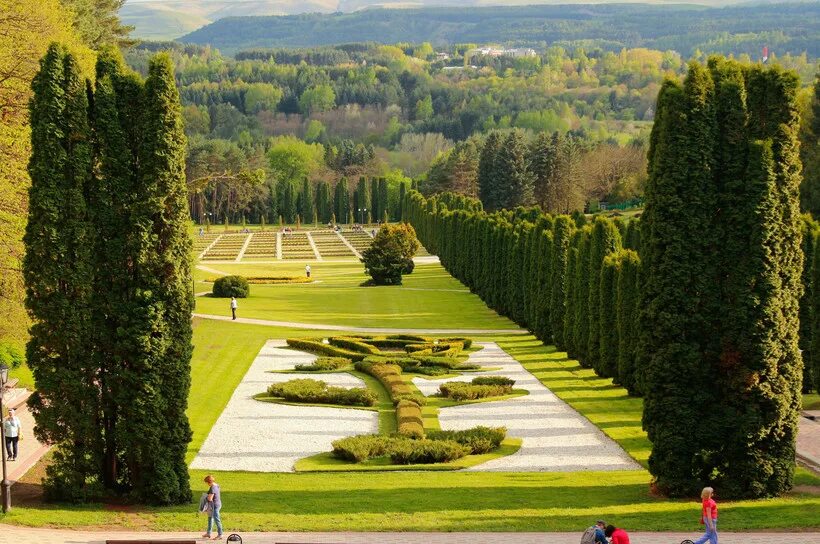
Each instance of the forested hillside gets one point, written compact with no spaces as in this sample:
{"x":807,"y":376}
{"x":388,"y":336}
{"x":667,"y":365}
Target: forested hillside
{"x":731,"y":30}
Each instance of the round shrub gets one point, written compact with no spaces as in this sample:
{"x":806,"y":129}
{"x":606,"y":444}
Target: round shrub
{"x":231,"y":286}
{"x":409,"y":452}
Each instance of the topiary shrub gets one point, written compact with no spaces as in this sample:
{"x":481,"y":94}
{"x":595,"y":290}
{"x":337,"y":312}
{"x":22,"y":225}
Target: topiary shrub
{"x":467,"y":391}
{"x":361,"y":448}
{"x":318,"y":347}
{"x":493,"y":380}
{"x":231,"y":286}
{"x":408,"y":414}
{"x":478,"y":439}
{"x":325,"y":363}
{"x":315,"y":391}
{"x":353,"y":344}
{"x":410,"y":452}
{"x":386,"y":259}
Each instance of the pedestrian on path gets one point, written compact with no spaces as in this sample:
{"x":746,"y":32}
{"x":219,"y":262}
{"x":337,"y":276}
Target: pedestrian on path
{"x":617,"y":536}
{"x":708,"y":517}
{"x":12,"y":429}
{"x":307,"y":270}
{"x":234,"y":306}
{"x":214,"y":498}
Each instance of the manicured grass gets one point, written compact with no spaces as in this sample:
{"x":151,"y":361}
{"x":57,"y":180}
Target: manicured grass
{"x":325,"y":462}
{"x":415,"y":501}
{"x":811,"y":401}
{"x":429,"y":298}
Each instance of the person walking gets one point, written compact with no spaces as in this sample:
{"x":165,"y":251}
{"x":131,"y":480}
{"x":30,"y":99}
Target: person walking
{"x":708,"y":516}
{"x":214,"y":499}
{"x":12,"y":429}
{"x":307,"y":270}
{"x":234,"y":306}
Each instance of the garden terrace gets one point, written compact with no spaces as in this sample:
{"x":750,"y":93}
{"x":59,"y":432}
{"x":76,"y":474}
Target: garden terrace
{"x":359,"y":239}
{"x":226,"y":248}
{"x":201,"y":242}
{"x":261,"y":246}
{"x":295,"y":245}
{"x":330,"y":245}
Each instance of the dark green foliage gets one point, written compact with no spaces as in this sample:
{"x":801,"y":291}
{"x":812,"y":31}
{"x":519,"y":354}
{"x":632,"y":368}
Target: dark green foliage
{"x":59,"y":291}
{"x":814,"y":362}
{"x":386,"y":259}
{"x":632,"y":239}
{"x":810,"y":234}
{"x":469,"y":391}
{"x":514,"y":181}
{"x":341,"y":201}
{"x":608,"y":339}
{"x":123,"y":228}
{"x":810,"y":152}
{"x":604,"y":240}
{"x":562,"y":233}
{"x":488,"y":182}
{"x":324,"y":202}
{"x":305,"y":204}
{"x":362,"y":207}
{"x":580,"y":299}
{"x":318,"y":392}
{"x":719,"y":327}
{"x":426,"y":452}
{"x":478,"y":439}
{"x":493,"y":380}
{"x":628,"y":295}
{"x":231,"y":286}
{"x":325,"y":363}
{"x":568,"y":334}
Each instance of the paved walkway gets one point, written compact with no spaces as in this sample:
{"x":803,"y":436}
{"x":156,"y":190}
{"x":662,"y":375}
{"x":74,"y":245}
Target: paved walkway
{"x":369,"y":330}
{"x":555,"y":438}
{"x":10,"y":534}
{"x":269,"y":437}
{"x":808,"y":442}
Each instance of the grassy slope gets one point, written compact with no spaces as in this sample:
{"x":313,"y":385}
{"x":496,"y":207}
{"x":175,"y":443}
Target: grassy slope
{"x":437,"y":500}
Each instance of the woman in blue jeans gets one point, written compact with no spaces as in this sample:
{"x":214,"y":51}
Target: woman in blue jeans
{"x":708,"y":517}
{"x":214,"y":498}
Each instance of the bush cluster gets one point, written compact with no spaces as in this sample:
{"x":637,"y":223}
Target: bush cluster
{"x":424,"y":451}
{"x":325,"y":363}
{"x":408,"y":415}
{"x":315,"y":391}
{"x":320,"y":348}
{"x":493,"y":380}
{"x":478,"y":439}
{"x":469,"y":391}
{"x":269,"y":280}
{"x":231,"y":286}
{"x":389,"y":375}
{"x":362,"y":448}
{"x":353,"y":344}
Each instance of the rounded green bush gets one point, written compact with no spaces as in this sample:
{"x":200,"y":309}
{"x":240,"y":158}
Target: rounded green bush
{"x":231,"y":286}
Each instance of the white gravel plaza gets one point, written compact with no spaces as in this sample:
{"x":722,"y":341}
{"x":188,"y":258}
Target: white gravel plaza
{"x":556,"y":438}
{"x":268,"y":437}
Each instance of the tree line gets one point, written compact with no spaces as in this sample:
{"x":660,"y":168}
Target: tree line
{"x":696,"y":306}
{"x":108,"y":279}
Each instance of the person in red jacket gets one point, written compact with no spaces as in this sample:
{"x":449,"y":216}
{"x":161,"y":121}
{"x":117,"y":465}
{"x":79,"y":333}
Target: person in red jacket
{"x":708,"y":516}
{"x":618,"y":536}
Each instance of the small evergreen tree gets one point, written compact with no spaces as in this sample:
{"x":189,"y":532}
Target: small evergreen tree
{"x":608,"y":339}
{"x":628,"y":294}
{"x":559,"y":274}
{"x":387,"y":257}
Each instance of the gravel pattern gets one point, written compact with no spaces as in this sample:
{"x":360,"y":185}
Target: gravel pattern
{"x":268,"y":437}
{"x":556,"y":438}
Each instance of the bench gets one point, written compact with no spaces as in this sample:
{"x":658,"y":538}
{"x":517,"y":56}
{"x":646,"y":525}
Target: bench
{"x":11,"y":383}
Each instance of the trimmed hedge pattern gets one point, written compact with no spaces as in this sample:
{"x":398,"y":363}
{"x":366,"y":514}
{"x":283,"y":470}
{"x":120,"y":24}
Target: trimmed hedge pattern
{"x":408,"y":415}
{"x":325,"y":363}
{"x":315,"y":391}
{"x":469,"y":391}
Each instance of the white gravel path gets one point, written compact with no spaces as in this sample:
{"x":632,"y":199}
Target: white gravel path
{"x":268,"y":437}
{"x":556,"y":438}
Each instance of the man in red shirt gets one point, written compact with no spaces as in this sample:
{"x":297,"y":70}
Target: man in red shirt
{"x":618,"y":536}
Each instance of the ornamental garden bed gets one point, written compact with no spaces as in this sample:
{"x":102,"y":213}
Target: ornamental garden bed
{"x":409,"y":433}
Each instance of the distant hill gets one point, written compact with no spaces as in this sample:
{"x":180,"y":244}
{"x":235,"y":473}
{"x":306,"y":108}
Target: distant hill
{"x":169,"y":19}
{"x":792,"y":27}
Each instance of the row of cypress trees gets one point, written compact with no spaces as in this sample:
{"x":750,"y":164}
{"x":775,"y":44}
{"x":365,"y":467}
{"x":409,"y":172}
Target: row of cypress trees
{"x":108,"y":279}
{"x":698,"y":308}
{"x":319,"y":204}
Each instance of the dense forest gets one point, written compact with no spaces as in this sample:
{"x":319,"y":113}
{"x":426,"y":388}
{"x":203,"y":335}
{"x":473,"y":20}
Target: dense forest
{"x":267,"y":119}
{"x":686,"y":29}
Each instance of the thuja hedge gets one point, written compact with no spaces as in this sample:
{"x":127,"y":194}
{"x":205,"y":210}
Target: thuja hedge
{"x":714,"y":298}
{"x":315,"y":391}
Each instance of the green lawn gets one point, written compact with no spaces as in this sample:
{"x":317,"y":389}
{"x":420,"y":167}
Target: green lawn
{"x":429,"y":298}
{"x":415,"y":501}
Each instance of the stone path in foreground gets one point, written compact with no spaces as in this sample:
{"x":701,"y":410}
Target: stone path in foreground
{"x":555,"y":437}
{"x":367,"y":330}
{"x":22,"y":535}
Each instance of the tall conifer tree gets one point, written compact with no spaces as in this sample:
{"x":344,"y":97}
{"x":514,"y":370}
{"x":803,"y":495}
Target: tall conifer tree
{"x":559,"y":274}
{"x":488,"y":182}
{"x":604,"y":240}
{"x":512,"y":172}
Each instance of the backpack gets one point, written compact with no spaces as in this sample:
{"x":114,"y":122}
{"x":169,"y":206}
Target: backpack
{"x":588,"y":536}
